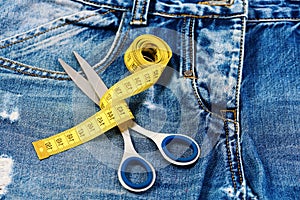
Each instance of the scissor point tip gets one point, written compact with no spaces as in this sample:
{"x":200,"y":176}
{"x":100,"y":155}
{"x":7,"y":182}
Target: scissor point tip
{"x":77,"y":55}
{"x":60,"y":60}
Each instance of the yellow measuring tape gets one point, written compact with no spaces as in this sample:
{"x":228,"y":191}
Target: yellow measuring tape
{"x":146,"y":59}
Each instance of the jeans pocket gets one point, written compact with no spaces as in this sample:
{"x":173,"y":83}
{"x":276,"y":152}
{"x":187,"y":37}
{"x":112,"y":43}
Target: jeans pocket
{"x":218,"y":64}
{"x":92,"y":33}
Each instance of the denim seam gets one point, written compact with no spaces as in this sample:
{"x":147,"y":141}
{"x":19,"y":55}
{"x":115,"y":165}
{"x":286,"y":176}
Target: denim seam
{"x":205,"y":16}
{"x":51,"y":29}
{"x":239,"y":72}
{"x":191,"y":45}
{"x":229,"y":155}
{"x":201,"y":104}
{"x":27,"y":66}
{"x":272,"y":19}
{"x":142,"y":11}
{"x":31,"y":74}
{"x":241,"y":179}
{"x":117,"y":47}
{"x":194,"y":86}
{"x":193,"y":67}
{"x":196,"y":16}
{"x":184,"y":64}
{"x":135,"y":10}
{"x":167,"y":14}
{"x":53,"y":72}
{"x":134,"y":17}
{"x":106,"y":5}
{"x":183,"y":42}
{"x":237,"y":93}
{"x":237,"y":99}
{"x":40,"y":69}
{"x":191,"y":54}
{"x":115,"y":56}
{"x":188,"y":44}
{"x":231,"y":2}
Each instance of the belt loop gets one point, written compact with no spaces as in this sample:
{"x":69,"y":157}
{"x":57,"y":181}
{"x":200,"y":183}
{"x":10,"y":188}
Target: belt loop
{"x":140,"y":12}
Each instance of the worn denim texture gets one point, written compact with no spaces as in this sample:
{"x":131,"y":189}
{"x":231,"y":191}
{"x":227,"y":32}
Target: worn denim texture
{"x":231,"y":85}
{"x":270,"y":99}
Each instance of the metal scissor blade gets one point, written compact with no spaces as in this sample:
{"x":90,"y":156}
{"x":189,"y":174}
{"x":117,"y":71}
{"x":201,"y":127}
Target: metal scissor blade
{"x":94,"y":79}
{"x":80,"y":81}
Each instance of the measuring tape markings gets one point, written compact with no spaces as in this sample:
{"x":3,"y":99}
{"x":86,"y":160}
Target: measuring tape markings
{"x":114,"y":110}
{"x":87,"y":130}
{"x":131,"y":85}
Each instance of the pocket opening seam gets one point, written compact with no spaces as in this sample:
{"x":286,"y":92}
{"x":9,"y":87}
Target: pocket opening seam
{"x":114,"y":57}
{"x":36,"y":75}
{"x":238,"y":81}
{"x":52,"y":29}
{"x":41,"y":73}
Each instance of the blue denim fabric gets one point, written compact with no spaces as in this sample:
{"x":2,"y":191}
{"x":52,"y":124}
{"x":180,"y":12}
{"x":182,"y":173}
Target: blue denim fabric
{"x":198,"y":95}
{"x":270,"y":99}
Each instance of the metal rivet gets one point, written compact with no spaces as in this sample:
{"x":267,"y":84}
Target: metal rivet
{"x":188,"y":73}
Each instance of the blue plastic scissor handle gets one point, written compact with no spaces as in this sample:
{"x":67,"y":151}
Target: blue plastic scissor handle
{"x":137,"y":161}
{"x":183,"y":140}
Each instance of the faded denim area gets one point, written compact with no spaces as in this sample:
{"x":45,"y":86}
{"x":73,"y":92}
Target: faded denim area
{"x":198,"y":95}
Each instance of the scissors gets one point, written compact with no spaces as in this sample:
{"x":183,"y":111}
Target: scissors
{"x":95,"y":88}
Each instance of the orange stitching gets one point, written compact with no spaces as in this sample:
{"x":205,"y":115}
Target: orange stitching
{"x":32,"y":36}
{"x":204,"y":16}
{"x":134,"y":17}
{"x":241,"y":179}
{"x":175,"y":15}
{"x":237,"y":147}
{"x":142,"y":11}
{"x":135,"y":10}
{"x":229,"y":154}
{"x":223,"y":112}
{"x":216,"y":3}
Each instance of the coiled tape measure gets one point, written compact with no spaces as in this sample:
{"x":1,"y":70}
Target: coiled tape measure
{"x":146,"y":58}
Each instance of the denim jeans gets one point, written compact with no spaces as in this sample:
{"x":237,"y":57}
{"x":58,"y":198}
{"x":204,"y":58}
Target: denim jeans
{"x":231,"y":84}
{"x":270,"y":99}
